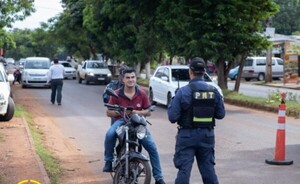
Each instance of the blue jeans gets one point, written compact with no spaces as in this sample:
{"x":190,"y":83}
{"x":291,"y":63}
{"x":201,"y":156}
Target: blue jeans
{"x":148,"y":143}
{"x":56,"y":88}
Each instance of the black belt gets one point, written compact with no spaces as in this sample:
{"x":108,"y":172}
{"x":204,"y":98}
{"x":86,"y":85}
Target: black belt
{"x":181,"y":127}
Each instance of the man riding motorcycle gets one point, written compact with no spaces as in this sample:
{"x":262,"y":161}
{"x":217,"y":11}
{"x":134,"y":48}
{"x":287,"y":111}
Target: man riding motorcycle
{"x":131,"y":96}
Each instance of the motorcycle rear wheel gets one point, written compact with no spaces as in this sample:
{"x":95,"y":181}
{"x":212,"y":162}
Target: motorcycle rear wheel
{"x":139,"y":172}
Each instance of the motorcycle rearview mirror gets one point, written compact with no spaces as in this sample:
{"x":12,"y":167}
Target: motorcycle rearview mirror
{"x":111,"y":92}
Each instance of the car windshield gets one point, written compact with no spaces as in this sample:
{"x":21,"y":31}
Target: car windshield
{"x":248,"y":62}
{"x":183,"y":75}
{"x":37,"y":64}
{"x":66,"y":65}
{"x":180,"y":74}
{"x":96,"y":65}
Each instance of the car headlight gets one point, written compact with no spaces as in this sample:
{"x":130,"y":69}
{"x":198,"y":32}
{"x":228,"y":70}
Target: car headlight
{"x":109,"y":75}
{"x":91,"y":74}
{"x":141,"y":132}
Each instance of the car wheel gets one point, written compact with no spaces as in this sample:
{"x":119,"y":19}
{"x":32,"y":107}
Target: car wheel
{"x":169,"y":98}
{"x":261,"y":77}
{"x":23,"y":86}
{"x":74,"y":78}
{"x":151,"y":97}
{"x":79,"y":79}
{"x":10,"y":111}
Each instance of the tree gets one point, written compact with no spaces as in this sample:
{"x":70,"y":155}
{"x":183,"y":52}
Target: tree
{"x":287,"y":20}
{"x":11,"y":11}
{"x":217,"y":30}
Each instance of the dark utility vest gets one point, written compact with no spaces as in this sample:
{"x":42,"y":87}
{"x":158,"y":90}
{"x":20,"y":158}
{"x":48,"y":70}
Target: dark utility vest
{"x":202,"y":110}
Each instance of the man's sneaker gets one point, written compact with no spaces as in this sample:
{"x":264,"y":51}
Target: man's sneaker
{"x":160,"y":181}
{"x":107,"y":167}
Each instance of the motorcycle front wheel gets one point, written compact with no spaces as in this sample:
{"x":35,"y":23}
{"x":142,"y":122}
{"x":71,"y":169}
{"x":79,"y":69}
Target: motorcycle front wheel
{"x":139,"y":172}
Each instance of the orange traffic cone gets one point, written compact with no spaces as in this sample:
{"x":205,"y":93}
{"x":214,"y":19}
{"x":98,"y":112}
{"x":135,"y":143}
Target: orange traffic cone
{"x":280,"y":137}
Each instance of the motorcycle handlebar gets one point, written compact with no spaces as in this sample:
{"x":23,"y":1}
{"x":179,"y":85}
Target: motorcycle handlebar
{"x":117,"y":107}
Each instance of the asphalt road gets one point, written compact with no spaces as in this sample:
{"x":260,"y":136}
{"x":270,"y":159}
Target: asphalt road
{"x":248,"y":88}
{"x":244,"y":139}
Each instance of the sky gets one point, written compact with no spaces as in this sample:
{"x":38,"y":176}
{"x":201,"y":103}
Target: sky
{"x":45,"y":9}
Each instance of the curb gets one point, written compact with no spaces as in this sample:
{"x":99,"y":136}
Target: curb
{"x":46,"y":179}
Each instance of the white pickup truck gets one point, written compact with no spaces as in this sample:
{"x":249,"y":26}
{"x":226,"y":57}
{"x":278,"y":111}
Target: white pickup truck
{"x":93,"y":71}
{"x":7,"y":105}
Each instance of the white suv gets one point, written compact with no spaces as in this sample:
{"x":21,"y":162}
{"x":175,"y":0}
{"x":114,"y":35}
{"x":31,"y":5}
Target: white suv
{"x":7,"y":105}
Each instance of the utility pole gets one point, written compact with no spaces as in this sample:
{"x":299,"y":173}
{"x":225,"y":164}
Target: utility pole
{"x":269,"y":66}
{"x":270,"y":32}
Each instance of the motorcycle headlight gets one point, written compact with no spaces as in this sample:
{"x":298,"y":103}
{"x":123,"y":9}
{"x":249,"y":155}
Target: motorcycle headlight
{"x":141,"y":132}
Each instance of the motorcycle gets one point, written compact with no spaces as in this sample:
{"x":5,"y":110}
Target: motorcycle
{"x":130,"y":165}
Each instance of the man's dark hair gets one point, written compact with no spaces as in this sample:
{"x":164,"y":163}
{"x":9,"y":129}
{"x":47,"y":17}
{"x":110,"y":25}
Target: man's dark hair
{"x":128,"y":70}
{"x":55,"y":61}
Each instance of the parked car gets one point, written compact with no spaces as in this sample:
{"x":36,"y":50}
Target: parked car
{"x":7,"y":105}
{"x":94,"y":71}
{"x":10,"y":60}
{"x":233,"y":73}
{"x":255,"y":68}
{"x":35,"y":72}
{"x":166,"y":79}
{"x":70,"y":72}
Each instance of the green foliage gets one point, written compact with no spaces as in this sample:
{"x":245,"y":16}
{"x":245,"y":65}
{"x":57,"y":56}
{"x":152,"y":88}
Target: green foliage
{"x":287,"y":20}
{"x":52,"y":166}
{"x":272,"y":102}
{"x":276,"y":96}
{"x":11,"y":11}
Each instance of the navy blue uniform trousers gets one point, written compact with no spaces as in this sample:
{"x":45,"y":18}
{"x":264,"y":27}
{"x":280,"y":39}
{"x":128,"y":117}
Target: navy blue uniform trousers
{"x":199,"y":143}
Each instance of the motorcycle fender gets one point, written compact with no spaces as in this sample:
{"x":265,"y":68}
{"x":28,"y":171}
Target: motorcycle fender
{"x":136,"y":155}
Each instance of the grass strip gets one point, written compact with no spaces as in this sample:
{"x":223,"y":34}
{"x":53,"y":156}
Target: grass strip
{"x":51,"y":165}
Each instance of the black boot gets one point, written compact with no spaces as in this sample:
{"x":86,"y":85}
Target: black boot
{"x":160,"y":181}
{"x":107,"y":167}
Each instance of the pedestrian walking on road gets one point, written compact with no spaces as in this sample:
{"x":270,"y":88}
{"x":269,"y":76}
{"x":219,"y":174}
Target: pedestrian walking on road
{"x":194,"y":108}
{"x":17,"y":76}
{"x":55,"y":77}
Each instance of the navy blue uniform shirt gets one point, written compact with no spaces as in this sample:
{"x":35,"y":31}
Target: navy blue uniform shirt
{"x":183,"y":101}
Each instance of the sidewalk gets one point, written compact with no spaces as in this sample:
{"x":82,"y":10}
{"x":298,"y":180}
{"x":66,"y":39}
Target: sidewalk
{"x":280,"y":84}
{"x":18,"y":159}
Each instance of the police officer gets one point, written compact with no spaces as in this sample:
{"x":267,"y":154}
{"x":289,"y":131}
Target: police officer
{"x":194,"y":108}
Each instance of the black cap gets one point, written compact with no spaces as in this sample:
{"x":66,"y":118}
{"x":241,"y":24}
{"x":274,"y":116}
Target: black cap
{"x":197,"y":64}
